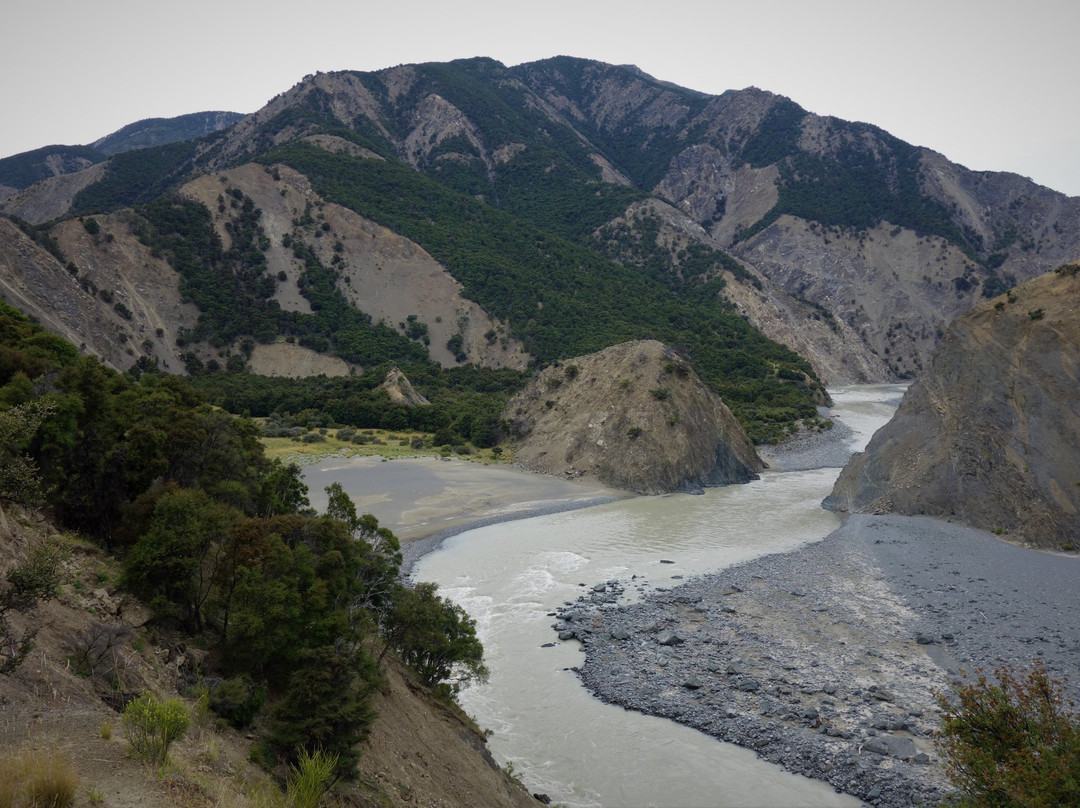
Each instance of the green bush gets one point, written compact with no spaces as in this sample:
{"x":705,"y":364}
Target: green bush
{"x":152,"y":725}
{"x":327,"y":706}
{"x":238,"y":700}
{"x":1013,"y":742}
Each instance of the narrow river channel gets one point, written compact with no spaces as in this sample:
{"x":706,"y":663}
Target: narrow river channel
{"x":558,"y":738}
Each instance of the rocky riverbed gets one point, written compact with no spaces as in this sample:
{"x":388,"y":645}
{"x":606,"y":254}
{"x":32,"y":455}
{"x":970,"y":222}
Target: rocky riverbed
{"x":826,"y":660}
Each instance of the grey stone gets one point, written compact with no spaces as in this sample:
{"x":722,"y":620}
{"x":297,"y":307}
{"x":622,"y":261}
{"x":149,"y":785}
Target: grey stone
{"x":669,"y":638}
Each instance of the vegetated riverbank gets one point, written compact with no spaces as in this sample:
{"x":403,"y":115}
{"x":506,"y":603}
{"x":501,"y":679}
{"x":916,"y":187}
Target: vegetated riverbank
{"x":826,"y":660}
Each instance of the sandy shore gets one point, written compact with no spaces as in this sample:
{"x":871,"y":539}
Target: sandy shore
{"x":425,"y":500}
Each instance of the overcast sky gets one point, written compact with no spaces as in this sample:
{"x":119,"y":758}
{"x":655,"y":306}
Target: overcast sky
{"x":988,"y":83}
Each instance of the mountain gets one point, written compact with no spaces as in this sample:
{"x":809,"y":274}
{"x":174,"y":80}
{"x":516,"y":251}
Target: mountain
{"x":60,"y":172}
{"x":161,"y":131}
{"x":478,"y":213}
{"x":988,"y":434}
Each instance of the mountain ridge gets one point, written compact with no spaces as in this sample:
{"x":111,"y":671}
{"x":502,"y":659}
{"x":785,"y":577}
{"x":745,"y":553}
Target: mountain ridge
{"x":845,"y":240}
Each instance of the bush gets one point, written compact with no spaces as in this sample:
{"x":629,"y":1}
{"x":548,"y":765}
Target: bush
{"x":1012,"y":742}
{"x":28,"y":584}
{"x":238,"y":700}
{"x":152,"y":725}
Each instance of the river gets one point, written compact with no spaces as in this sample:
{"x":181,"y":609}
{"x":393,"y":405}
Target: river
{"x":562,"y":741}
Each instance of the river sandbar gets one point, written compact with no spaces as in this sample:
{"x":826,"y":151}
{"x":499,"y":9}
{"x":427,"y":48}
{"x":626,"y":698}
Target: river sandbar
{"x":420,"y":497}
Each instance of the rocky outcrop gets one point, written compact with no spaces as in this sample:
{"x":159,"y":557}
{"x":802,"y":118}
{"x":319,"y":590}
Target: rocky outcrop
{"x":400,"y":390}
{"x":636,"y":417}
{"x":989,"y":435}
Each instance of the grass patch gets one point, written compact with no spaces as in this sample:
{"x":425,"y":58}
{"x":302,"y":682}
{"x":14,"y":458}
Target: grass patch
{"x":376,"y":443}
{"x":41,"y":779}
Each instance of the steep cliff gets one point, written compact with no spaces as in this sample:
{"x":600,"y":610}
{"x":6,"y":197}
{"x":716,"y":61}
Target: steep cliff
{"x":989,"y":435}
{"x":636,"y":417}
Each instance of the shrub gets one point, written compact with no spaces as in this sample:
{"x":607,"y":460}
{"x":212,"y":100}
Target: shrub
{"x":152,"y":725}
{"x":238,"y":700}
{"x":1015,"y":741}
{"x":95,"y":651}
{"x":28,"y":584}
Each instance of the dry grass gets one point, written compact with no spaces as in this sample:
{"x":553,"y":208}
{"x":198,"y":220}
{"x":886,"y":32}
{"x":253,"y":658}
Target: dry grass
{"x":43,"y":780}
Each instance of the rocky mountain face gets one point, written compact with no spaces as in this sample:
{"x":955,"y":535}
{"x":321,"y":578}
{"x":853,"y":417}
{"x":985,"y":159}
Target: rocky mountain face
{"x":773,"y":184}
{"x":856,"y":249}
{"x":988,"y":433}
{"x":388,"y":277}
{"x":636,"y":417}
{"x":110,"y":296}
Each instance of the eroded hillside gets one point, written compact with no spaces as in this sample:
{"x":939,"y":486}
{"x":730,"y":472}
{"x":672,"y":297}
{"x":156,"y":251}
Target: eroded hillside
{"x":988,"y":434}
{"x":636,"y":417}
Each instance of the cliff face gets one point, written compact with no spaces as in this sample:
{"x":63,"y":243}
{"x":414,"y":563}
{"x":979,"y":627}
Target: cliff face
{"x":636,"y":417}
{"x":989,"y":435}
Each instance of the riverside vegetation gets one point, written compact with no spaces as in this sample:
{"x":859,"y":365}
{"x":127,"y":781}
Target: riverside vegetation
{"x":297,"y":612}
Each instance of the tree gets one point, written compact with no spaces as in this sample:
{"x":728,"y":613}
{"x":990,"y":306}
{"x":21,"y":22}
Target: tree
{"x":19,"y":481}
{"x":326,"y":707}
{"x":340,"y":506}
{"x":174,"y":564}
{"x":436,"y":638}
{"x":379,"y":550}
{"x":282,"y":491}
{"x":1013,"y":742}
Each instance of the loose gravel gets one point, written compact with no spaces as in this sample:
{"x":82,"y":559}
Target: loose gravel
{"x":827,"y":659}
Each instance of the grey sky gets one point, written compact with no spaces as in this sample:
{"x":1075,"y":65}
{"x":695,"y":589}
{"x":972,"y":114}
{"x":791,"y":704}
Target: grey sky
{"x":991,"y":85}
